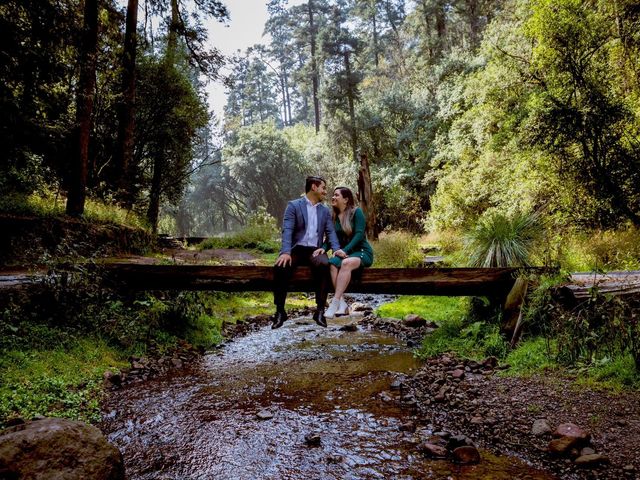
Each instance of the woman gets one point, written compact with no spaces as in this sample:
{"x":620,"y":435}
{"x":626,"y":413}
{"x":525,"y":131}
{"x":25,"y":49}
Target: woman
{"x":355,"y":252}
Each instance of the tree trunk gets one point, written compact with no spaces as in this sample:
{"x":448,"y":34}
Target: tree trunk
{"x":441,"y":29}
{"x":365,"y":196}
{"x":314,"y":68}
{"x":154,"y":195}
{"x":284,"y":100}
{"x":375,"y":33}
{"x":288,"y":101}
{"x":84,"y":107}
{"x":126,"y":121}
{"x":490,"y":282}
{"x":172,"y":40}
{"x":473,"y":17}
{"x":352,"y":112}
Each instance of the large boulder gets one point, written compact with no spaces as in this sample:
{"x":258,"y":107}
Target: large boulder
{"x":58,"y":448}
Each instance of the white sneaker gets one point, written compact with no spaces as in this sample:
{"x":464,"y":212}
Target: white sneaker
{"x":333,"y":306}
{"x":343,"y":309}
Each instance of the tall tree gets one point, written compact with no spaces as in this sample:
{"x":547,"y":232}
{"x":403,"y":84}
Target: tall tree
{"x":281,"y":50}
{"x":339,"y":45}
{"x":580,"y":117}
{"x":36,"y":74}
{"x":309,"y":20}
{"x":169,"y":116}
{"x":84,"y":107}
{"x":126,"y":117}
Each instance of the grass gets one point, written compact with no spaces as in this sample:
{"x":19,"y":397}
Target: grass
{"x":397,"y":249}
{"x":50,"y":205}
{"x":438,"y":309}
{"x":531,"y":356}
{"x":600,"y":250}
{"x":63,"y":382}
{"x":255,"y":237}
{"x":231,"y":307}
{"x":456,"y":333}
{"x":56,"y":369}
{"x":615,"y":374}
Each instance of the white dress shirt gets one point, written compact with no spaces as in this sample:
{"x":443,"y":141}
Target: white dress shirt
{"x":310,"y":238}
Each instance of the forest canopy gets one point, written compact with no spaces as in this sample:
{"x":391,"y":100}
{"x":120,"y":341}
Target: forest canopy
{"x":465,"y":109}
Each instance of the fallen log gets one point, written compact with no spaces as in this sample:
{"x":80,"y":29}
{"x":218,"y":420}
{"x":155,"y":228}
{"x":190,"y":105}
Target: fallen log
{"x":621,"y":283}
{"x":493,"y":282}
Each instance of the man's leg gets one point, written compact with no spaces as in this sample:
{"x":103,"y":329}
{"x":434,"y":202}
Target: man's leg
{"x":320,"y":272}
{"x":281,"y":278}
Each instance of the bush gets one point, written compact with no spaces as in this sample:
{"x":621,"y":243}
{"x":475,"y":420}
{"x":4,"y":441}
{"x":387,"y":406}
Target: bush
{"x":532,"y":355}
{"x":501,"y":241}
{"x":397,"y":249}
{"x":261,"y":233}
{"x":600,"y":250}
{"x":601,"y":327}
{"x":52,"y":205}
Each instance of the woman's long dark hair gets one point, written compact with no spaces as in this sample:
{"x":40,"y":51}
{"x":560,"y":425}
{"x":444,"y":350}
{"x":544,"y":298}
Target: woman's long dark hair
{"x":347,"y":217}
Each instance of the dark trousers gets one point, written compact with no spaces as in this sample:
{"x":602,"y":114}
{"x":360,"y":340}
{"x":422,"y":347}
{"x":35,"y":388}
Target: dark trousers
{"x":319,"y":270}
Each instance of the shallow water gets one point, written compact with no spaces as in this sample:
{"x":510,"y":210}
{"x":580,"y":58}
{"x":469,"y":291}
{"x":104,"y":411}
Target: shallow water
{"x":202,"y":422}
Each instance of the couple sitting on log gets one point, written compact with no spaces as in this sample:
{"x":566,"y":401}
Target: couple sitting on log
{"x":309,"y":231}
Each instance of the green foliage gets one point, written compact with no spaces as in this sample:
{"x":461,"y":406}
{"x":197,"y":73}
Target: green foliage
{"x":260,"y":234}
{"x":463,"y":329}
{"x":437,"y":309}
{"x":46,"y":204}
{"x":36,"y":90}
{"x":600,"y":250}
{"x":398,"y":205}
{"x":530,"y":356}
{"x":60,"y":381}
{"x":499,"y":241}
{"x":475,"y":340}
{"x":603,"y":327}
{"x":266,"y":167}
{"x":615,"y":373}
{"x":585,"y":111}
{"x":397,"y":249}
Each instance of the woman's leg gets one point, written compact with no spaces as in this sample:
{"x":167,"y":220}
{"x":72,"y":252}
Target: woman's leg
{"x":335,"y":302}
{"x":334,"y":274}
{"x":344,"y":275}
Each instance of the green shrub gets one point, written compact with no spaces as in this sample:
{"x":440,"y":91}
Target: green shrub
{"x":52,"y":205}
{"x":531,"y":355}
{"x":260,"y":233}
{"x":397,"y":249}
{"x":601,"y":327}
{"x":501,"y":241}
{"x":599,"y":250}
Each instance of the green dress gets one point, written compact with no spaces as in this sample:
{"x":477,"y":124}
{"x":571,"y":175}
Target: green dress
{"x":357,"y":245}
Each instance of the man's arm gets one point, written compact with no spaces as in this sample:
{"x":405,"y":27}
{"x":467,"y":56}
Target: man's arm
{"x":288,"y":226}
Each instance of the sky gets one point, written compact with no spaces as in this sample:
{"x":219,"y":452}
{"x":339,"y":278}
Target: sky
{"x":243,"y":30}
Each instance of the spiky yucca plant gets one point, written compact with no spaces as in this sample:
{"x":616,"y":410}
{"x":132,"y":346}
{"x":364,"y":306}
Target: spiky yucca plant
{"x":501,"y":241}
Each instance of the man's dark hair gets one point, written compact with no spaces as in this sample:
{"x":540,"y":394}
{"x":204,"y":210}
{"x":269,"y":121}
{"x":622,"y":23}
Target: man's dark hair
{"x":313,"y":181}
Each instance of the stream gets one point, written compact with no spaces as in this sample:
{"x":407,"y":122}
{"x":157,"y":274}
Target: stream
{"x":300,"y":402}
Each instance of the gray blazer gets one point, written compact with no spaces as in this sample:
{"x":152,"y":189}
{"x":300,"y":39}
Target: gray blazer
{"x":295,"y":221}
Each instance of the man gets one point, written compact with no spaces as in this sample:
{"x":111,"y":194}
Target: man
{"x":306,"y":224}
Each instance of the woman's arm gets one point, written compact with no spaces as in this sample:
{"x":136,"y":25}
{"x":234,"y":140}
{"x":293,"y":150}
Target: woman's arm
{"x":359,"y":228}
